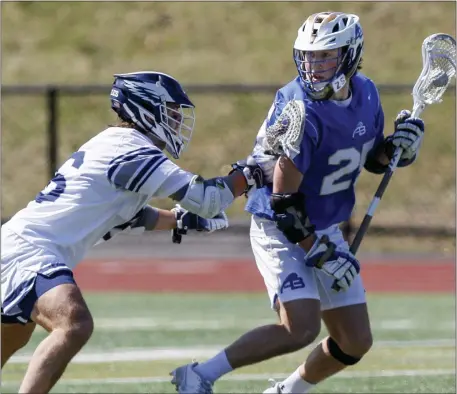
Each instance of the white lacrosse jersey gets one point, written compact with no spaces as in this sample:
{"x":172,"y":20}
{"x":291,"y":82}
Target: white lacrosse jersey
{"x":102,"y":185}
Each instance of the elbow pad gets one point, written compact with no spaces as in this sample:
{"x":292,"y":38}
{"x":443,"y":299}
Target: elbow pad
{"x":291,"y":217}
{"x":207,"y":197}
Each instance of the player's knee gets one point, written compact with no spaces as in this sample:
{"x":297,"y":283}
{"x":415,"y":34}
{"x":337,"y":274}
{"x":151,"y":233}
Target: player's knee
{"x":74,"y":321}
{"x":350,"y":351}
{"x":79,"y":327}
{"x":359,"y":345}
{"x":302,"y":320}
{"x":304,"y":334}
{"x":304,"y":338}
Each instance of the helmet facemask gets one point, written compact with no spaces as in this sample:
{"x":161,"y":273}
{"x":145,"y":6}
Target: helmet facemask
{"x":177,"y":120}
{"x":318,"y":69}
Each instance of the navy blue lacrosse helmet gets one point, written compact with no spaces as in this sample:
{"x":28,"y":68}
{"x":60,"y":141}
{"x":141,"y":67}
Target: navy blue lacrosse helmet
{"x":158,"y":105}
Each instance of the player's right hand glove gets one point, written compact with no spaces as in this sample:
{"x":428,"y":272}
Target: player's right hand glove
{"x":408,"y":135}
{"x":340,"y":265}
{"x":186,"y":221}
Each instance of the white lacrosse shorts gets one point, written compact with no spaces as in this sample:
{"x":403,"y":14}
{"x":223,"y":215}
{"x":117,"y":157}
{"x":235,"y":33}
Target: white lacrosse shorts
{"x":285,"y":274}
{"x":21,"y":264}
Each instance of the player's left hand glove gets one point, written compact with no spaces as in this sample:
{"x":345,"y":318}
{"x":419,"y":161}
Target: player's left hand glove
{"x":408,"y":135}
{"x":186,"y":221}
{"x":340,"y":265}
{"x":251,"y":170}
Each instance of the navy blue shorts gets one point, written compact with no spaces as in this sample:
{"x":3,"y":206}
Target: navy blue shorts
{"x":42,"y":285}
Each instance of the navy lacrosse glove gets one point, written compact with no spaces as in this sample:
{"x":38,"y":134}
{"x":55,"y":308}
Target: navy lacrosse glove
{"x":186,"y":221}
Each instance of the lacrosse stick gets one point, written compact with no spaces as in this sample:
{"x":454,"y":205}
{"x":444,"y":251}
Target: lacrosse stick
{"x":438,"y":57}
{"x":284,"y":136}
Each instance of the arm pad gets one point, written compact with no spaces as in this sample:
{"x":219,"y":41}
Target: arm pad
{"x":205,"y":197}
{"x":291,"y":217}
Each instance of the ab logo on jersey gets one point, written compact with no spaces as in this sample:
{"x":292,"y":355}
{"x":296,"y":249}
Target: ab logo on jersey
{"x":360,"y":129}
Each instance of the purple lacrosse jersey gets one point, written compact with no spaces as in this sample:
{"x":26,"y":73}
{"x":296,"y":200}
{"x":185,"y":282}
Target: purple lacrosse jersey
{"x":337,"y":138}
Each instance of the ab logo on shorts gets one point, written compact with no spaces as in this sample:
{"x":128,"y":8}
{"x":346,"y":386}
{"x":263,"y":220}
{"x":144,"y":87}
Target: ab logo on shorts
{"x":292,"y":282}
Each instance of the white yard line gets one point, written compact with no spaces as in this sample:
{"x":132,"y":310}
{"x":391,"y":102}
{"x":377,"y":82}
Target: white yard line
{"x":128,"y":324}
{"x":150,"y":324}
{"x":183,"y":353}
{"x":254,"y":377}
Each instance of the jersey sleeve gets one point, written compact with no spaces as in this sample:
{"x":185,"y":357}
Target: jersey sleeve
{"x":146,"y":170}
{"x":379,"y":123}
{"x":278,"y":105}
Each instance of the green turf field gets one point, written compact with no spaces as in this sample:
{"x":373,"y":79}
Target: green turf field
{"x":140,"y":338}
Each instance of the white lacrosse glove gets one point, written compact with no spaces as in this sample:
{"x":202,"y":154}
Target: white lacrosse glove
{"x":186,"y":221}
{"x":340,"y":265}
{"x":252,"y":172}
{"x":266,"y":162}
{"x":408,"y":135}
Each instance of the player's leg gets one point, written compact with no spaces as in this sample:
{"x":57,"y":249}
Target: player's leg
{"x":291,"y":286}
{"x":346,"y":317}
{"x":14,"y":336}
{"x":58,"y":306}
{"x":15,"y":330}
{"x":350,"y":338}
{"x":348,"y":341}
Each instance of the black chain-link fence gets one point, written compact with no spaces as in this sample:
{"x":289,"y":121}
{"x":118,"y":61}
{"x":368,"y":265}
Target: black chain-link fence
{"x":55,"y":120}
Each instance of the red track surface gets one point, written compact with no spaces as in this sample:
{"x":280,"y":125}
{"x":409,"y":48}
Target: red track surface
{"x":242,"y":275}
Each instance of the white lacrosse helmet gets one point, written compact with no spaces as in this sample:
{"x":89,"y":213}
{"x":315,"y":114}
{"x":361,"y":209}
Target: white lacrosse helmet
{"x":326,"y":31}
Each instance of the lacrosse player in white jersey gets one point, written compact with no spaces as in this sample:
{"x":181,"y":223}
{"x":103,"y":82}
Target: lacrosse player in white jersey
{"x":312,"y":193}
{"x":103,"y":189}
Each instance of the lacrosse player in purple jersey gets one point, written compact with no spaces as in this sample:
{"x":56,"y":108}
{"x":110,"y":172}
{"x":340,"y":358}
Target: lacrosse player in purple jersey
{"x":101,"y":190}
{"x":295,"y":221}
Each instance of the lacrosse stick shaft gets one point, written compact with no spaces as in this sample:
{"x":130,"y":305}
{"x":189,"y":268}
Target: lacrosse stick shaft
{"x":375,"y":201}
{"x":380,"y":191}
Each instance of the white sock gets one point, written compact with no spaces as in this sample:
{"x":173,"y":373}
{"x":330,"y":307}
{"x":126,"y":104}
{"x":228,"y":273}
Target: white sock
{"x":295,"y":384}
{"x":214,"y":368}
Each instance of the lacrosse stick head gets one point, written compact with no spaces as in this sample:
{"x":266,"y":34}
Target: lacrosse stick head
{"x":439,"y":62}
{"x":284,"y":136}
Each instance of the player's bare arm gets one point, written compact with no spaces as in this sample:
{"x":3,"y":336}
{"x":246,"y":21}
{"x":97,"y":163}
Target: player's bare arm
{"x":286,"y":181}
